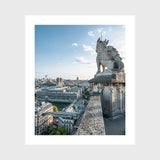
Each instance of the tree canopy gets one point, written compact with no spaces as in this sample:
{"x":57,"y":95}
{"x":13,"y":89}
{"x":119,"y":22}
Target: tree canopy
{"x":55,"y":109}
{"x":61,"y":130}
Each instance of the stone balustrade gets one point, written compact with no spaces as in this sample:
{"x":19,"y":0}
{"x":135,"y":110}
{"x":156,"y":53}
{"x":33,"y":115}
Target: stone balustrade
{"x":92,"y":122}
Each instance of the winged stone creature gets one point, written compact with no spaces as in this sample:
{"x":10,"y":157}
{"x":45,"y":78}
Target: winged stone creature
{"x":108,"y":57}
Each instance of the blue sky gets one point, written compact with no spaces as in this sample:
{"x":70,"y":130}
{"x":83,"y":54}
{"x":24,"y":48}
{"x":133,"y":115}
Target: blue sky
{"x":68,"y":51}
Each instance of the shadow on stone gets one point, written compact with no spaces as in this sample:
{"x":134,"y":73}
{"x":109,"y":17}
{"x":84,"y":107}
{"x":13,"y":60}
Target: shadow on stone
{"x":94,"y":107}
{"x":93,"y":115}
{"x":115,"y":126}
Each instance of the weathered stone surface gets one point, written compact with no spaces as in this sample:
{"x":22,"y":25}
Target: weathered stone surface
{"x":113,"y":99}
{"x":103,"y":79}
{"x":115,"y":126}
{"x":109,"y":58}
{"x":110,"y":78}
{"x":111,"y":81}
{"x":92,"y":122}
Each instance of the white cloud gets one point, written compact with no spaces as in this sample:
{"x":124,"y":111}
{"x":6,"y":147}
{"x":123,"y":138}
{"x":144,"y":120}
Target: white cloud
{"x":92,"y":65}
{"x":91,"y":33}
{"x":103,"y":31}
{"x":89,"y":49}
{"x":100,"y":30}
{"x":122,"y":51}
{"x":109,"y":29}
{"x":74,"y":44}
{"x":81,"y":60}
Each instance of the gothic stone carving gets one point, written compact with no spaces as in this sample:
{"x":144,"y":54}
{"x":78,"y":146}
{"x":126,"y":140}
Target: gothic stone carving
{"x":108,"y":57}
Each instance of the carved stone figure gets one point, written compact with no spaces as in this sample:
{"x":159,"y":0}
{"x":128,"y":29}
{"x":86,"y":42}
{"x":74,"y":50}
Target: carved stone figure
{"x":111,"y":80}
{"x":108,"y":57}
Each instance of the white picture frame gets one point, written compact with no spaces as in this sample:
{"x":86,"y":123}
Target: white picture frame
{"x":30,"y":22}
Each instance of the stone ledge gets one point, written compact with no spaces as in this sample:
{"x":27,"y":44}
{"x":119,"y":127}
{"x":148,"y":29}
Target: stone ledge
{"x":92,"y":122}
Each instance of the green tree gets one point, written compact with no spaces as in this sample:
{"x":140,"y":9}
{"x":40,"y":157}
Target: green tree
{"x":36,"y":100}
{"x":88,"y":93}
{"x":55,"y":109}
{"x":72,"y":85}
{"x":52,"y":131}
{"x":63,"y":130}
{"x":58,"y":133}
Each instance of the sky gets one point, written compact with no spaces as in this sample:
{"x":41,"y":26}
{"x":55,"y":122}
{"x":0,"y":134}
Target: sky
{"x":68,"y":51}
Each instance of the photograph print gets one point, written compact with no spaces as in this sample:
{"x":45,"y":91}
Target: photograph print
{"x":79,"y":80}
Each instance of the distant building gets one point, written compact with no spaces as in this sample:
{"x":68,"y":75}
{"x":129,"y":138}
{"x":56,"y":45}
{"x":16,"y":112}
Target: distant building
{"x":60,"y":82}
{"x":40,"y":83}
{"x":75,"y":108}
{"x":42,"y":122}
{"x":55,"y":94}
{"x":77,"y":82}
{"x":68,"y":123}
{"x":48,"y":83}
{"x":77,"y":90}
{"x":77,"y":78}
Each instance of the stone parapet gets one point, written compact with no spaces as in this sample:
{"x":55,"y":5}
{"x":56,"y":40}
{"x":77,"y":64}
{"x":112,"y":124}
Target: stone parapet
{"x":92,"y":122}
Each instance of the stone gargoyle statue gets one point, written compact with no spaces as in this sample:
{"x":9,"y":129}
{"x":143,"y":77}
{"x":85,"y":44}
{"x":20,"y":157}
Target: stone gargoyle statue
{"x":108,"y":57}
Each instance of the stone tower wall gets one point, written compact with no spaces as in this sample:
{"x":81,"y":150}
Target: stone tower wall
{"x":113,"y":100}
{"x":60,"y":82}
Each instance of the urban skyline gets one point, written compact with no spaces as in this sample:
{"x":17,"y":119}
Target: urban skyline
{"x":68,"y":51}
